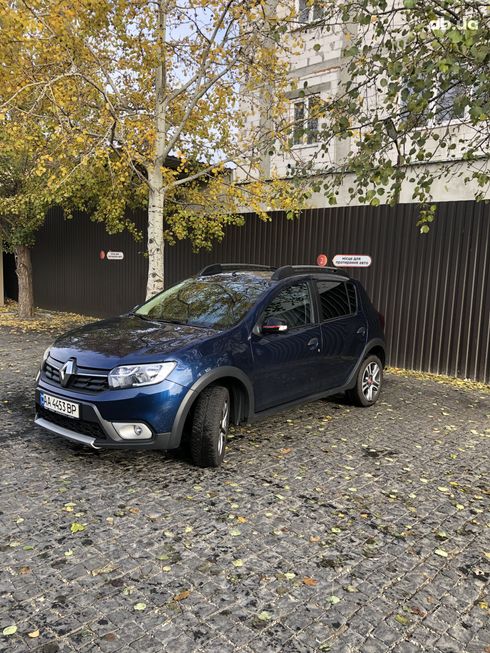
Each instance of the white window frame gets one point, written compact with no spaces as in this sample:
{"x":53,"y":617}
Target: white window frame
{"x":303,"y":141}
{"x":308,"y":13}
{"x":433,"y":121}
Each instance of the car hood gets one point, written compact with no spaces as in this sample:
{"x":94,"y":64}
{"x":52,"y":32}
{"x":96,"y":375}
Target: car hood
{"x":125,"y":340}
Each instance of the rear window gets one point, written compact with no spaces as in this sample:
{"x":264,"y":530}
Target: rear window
{"x":337,"y":299}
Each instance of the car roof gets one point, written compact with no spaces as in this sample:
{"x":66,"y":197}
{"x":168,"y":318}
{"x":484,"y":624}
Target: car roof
{"x":242,"y":274}
{"x":227,"y":270}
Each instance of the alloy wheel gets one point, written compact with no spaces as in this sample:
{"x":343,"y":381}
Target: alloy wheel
{"x":223,"y":427}
{"x":371,"y":381}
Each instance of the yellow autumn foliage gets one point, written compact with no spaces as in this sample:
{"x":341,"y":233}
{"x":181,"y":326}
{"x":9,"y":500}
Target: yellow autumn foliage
{"x":125,"y":103}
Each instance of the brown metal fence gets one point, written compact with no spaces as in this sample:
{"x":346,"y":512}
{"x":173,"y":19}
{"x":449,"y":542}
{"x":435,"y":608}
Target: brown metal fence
{"x":434,"y":290}
{"x":69,"y":274}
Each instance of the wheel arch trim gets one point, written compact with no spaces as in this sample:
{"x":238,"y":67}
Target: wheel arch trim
{"x":225,"y":373}
{"x":371,"y":344}
{"x":376,"y":343}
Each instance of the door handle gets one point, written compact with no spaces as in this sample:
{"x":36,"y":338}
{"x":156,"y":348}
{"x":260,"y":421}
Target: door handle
{"x":313,"y":343}
{"x":361,"y":331}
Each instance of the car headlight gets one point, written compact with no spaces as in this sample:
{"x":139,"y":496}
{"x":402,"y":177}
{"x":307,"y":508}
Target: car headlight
{"x":45,"y":355}
{"x":130,"y":376}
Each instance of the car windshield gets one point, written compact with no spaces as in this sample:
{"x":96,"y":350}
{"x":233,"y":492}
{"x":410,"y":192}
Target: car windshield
{"x":218,"y":302}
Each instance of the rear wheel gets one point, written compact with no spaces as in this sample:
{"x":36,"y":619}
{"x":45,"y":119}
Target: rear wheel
{"x":368,"y":383}
{"x":210,"y":426}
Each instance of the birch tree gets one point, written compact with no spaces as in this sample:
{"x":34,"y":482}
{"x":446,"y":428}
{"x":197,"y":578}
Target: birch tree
{"x":149,"y":92}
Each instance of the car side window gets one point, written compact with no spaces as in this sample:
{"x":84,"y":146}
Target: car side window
{"x":293,"y":305}
{"x":351,"y":291}
{"x":335,"y":299}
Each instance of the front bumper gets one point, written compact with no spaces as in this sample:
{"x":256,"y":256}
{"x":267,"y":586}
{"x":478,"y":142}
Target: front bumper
{"x":161,"y":441}
{"x":95,"y":425}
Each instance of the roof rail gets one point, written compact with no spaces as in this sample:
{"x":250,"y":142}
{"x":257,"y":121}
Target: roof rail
{"x":292,"y":270}
{"x":218,"y":268}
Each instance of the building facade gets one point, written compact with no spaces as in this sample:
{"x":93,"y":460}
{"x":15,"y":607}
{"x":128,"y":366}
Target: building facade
{"x":318,"y":74}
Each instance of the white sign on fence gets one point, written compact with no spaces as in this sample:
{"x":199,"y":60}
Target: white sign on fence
{"x":352,"y":261}
{"x":115,"y":256}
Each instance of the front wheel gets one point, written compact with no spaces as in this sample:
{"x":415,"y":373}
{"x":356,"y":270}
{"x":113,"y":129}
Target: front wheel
{"x":210,"y":426}
{"x":368,"y":384}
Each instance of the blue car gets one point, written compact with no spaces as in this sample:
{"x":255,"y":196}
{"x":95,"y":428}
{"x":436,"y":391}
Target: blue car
{"x":232,"y":344}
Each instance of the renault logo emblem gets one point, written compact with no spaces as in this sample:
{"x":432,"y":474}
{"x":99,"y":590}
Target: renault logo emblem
{"x":67,"y":371}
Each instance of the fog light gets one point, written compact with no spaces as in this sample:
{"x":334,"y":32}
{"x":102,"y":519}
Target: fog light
{"x":129,"y":431}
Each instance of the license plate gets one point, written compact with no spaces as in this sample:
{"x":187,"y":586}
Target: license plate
{"x":61,"y":406}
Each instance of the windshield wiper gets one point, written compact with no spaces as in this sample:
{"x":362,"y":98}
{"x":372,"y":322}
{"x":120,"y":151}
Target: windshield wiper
{"x":163,"y":319}
{"x":188,"y":324}
{"x":148,"y":318}
{"x":143,"y":317}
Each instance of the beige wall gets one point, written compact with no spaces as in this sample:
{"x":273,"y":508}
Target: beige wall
{"x":323,"y":69}
{"x":448,"y":189}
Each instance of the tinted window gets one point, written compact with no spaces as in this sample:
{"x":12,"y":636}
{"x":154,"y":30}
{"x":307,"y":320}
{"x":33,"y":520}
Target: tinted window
{"x":293,"y":305}
{"x":216,"y":302}
{"x":334,"y":300}
{"x":351,"y":291}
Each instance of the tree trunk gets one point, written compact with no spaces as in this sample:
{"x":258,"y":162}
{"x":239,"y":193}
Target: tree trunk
{"x":23,"y":268}
{"x":2,"y":295}
{"x":156,"y":198}
{"x":155,"y":233}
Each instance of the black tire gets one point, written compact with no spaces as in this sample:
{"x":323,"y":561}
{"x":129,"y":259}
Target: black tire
{"x":210,"y":426}
{"x":368,"y":387}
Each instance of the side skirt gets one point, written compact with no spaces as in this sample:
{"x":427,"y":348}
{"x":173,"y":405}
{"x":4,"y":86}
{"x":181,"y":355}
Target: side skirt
{"x":304,"y":400}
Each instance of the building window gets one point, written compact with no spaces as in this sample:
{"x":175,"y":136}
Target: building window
{"x":407,"y":104}
{"x":444,"y":107}
{"x":309,"y":12}
{"x":299,"y":122}
{"x":440,"y":108}
{"x":307,"y":112}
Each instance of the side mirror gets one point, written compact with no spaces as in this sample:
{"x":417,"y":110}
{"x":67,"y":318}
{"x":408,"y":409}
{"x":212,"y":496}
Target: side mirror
{"x":273,"y":324}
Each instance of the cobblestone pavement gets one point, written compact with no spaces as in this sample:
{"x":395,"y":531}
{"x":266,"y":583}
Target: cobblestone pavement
{"x":329,"y":528}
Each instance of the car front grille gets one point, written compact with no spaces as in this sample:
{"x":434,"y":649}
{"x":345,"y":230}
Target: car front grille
{"x":85,"y":382}
{"x":92,"y":429}
{"x":52,"y":373}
